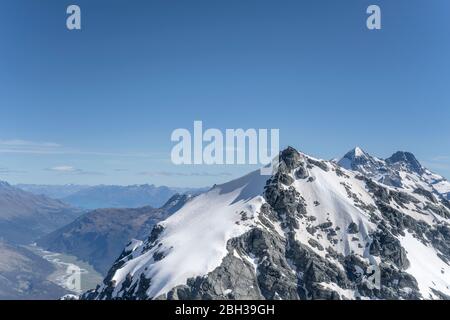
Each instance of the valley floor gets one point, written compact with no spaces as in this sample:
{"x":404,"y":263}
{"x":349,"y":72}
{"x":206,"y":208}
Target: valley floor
{"x":66,"y":269}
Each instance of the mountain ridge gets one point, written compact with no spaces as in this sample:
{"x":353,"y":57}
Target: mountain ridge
{"x":110,"y":196}
{"x":315,"y":231}
{"x":25,"y":216}
{"x":399,"y":170}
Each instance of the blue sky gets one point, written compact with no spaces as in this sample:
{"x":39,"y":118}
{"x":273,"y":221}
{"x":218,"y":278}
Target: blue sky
{"x":99,"y":105}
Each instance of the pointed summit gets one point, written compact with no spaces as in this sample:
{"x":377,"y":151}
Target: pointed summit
{"x":291,"y":157}
{"x":358,"y":152}
{"x":407,"y":159}
{"x":354,"y":158}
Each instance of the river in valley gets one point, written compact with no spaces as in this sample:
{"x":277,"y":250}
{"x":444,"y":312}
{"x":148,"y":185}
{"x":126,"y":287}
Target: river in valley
{"x":70,"y":273}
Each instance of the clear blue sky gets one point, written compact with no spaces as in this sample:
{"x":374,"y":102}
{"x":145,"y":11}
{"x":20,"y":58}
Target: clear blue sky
{"x":99,"y":105}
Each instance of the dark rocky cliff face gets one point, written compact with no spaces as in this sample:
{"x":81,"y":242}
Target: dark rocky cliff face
{"x":406,"y":158}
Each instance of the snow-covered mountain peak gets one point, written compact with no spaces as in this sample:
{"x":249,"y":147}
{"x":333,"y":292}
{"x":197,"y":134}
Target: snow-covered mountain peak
{"x":358,"y":159}
{"x":407,"y":159}
{"x":313,"y":230}
{"x":401,"y":170}
{"x":358,"y":152}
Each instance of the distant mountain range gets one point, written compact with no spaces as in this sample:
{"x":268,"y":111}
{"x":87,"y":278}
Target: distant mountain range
{"x":28,"y":214}
{"x":357,"y":228}
{"x":110,"y":196}
{"x":25,"y":216}
{"x":52,"y":191}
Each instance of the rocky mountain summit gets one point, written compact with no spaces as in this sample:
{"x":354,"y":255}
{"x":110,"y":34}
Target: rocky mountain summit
{"x":401,"y":170}
{"x":363,"y":228}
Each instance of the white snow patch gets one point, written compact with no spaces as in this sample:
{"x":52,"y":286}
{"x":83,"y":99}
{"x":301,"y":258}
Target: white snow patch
{"x":348,"y":294}
{"x":335,"y":206}
{"x":442,"y":187}
{"x":428,"y":269}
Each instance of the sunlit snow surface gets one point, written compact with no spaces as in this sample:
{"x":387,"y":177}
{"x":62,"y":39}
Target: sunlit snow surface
{"x":194,"y":239}
{"x":429,"y":271}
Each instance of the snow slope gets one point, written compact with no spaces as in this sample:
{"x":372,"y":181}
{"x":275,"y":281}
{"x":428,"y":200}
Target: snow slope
{"x":195,"y":237}
{"x":428,"y":269}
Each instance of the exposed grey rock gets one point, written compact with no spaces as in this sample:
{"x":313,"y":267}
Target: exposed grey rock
{"x":426,"y":194}
{"x":315,"y":244}
{"x":286,"y":179}
{"x":322,"y":165}
{"x":384,"y":244}
{"x":325,"y":225}
{"x":301,"y":173}
{"x":352,"y":228}
{"x":406,"y":158}
{"x":291,"y":158}
{"x":234,"y":275}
